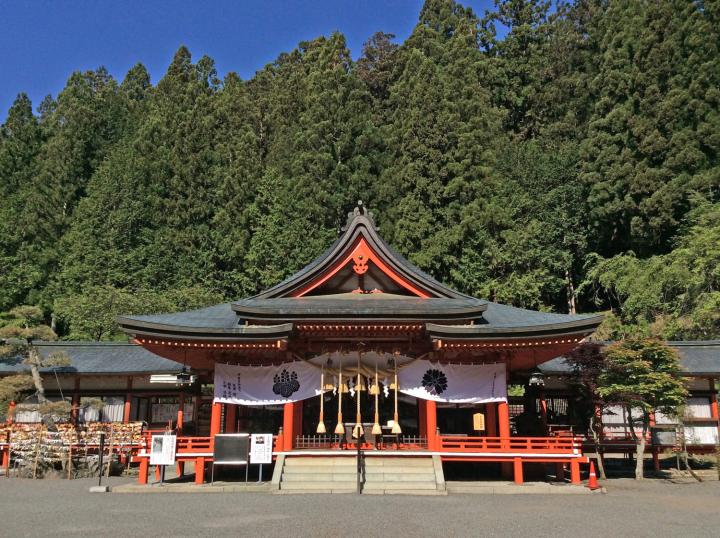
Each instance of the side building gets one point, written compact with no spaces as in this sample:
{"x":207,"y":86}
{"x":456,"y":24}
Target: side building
{"x":121,"y":376}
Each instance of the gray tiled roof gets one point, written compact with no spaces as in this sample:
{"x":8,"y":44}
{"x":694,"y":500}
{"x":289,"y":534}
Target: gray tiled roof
{"x":360,"y":306}
{"x":500,"y":315}
{"x":697,"y":357}
{"x":98,"y":358}
{"x":219,"y":316}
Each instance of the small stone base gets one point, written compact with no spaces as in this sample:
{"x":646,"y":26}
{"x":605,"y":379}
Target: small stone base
{"x":99,"y":489}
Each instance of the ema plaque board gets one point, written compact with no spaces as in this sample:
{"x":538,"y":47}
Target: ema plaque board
{"x":231,"y":449}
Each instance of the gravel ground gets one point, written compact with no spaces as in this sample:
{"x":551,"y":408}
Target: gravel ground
{"x":66,"y":508}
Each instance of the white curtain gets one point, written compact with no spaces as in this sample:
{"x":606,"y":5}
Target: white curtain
{"x":454,"y":383}
{"x":266,"y":385}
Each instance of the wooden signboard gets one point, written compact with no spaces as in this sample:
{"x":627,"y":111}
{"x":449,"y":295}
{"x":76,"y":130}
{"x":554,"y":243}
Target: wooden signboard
{"x":479,"y":421}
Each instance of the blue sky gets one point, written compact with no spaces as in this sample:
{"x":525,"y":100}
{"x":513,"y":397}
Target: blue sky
{"x":42,"y":42}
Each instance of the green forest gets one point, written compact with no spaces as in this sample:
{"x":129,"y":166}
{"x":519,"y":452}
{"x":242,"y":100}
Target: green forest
{"x":570,"y":162}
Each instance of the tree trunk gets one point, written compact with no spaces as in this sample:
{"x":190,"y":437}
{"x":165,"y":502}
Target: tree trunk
{"x":640,"y":458}
{"x":639,"y":441}
{"x":34,"y":363}
{"x":570,"y":293}
{"x":595,"y":429}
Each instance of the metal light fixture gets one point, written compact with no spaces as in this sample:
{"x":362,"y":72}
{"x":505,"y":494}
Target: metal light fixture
{"x":537,"y":378}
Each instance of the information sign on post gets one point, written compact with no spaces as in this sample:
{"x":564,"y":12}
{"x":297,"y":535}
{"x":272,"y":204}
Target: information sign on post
{"x":162,"y":449}
{"x":261,"y":447}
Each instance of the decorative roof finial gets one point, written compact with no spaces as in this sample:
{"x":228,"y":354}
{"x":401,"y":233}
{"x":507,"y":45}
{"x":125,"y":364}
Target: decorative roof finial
{"x":360,"y":210}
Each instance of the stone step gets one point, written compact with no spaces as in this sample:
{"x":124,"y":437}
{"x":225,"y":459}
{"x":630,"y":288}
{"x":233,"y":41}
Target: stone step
{"x":370,"y":486}
{"x":400,"y":469}
{"x":315,"y":486}
{"x":404,"y":492}
{"x":396,"y":477}
{"x":319,"y":462}
{"x":373,"y":461}
{"x":313,"y":491}
{"x":319,"y":477}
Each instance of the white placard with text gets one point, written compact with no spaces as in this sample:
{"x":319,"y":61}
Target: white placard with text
{"x":261,"y":447}
{"x":162,"y":449}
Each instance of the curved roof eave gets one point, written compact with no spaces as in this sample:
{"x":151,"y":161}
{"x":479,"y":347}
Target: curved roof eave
{"x":578,"y":326}
{"x":242,"y":332}
{"x":361,"y":308}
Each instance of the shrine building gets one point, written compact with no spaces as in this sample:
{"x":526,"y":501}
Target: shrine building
{"x":360,"y":349}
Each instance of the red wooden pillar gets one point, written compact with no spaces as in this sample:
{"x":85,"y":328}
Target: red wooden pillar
{"x":491,"y":420}
{"x":504,"y":434}
{"x":543,"y":411}
{"x":181,"y":413}
{"x":128,"y":399}
{"x":11,"y":412}
{"x":431,"y":424}
{"x":504,"y":423}
{"x":297,"y":421}
{"x":215,"y":416}
{"x":6,"y":460}
{"x":230,"y":418}
{"x":422,"y":418}
{"x":288,"y":426}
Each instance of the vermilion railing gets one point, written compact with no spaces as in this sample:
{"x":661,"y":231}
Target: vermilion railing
{"x":534,"y":445}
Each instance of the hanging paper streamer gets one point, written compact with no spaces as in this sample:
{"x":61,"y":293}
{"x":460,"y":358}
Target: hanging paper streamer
{"x":266,"y":385}
{"x":454,"y":383}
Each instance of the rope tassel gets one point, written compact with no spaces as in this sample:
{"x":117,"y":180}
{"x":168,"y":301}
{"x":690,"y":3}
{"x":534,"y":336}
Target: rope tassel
{"x":340,"y":428}
{"x":396,"y":420}
{"x":376,"y":430}
{"x":321,"y":422}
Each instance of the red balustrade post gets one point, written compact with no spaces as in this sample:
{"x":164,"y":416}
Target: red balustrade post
{"x":517,"y":470}
{"x":574,"y":472}
{"x":504,"y":430}
{"x":144,"y":469}
{"x":199,"y":470}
